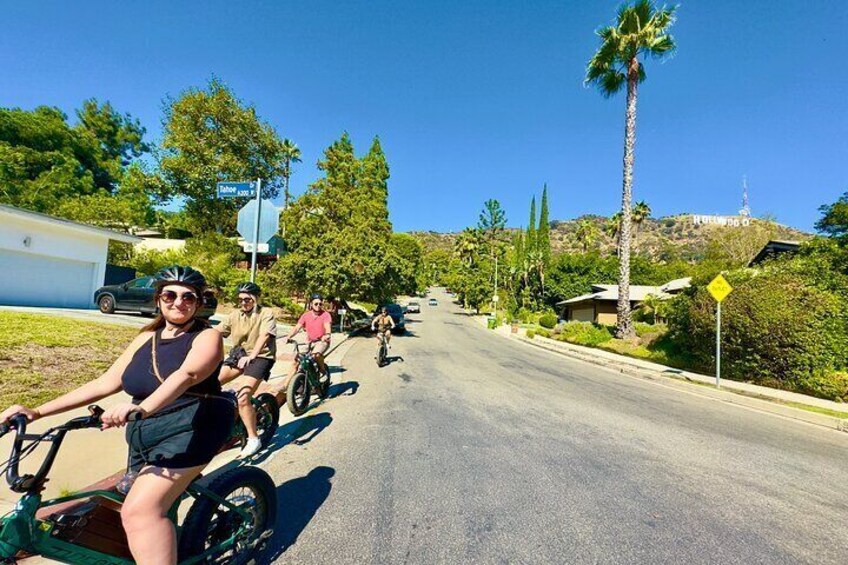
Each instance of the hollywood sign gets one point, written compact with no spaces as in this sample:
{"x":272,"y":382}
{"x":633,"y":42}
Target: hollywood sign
{"x":731,"y":221}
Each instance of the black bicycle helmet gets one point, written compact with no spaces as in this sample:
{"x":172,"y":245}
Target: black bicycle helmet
{"x":249,"y":288}
{"x":185,"y":276}
{"x":316,"y":296}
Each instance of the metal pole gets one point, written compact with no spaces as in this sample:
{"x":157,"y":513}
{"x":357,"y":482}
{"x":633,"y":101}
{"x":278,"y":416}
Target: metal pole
{"x":496,"y":286}
{"x":718,"y":346}
{"x":256,"y":231}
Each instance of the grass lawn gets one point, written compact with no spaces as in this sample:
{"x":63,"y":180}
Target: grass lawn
{"x":42,"y":357}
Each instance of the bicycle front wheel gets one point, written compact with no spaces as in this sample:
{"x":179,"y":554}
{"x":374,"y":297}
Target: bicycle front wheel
{"x":209,"y":524}
{"x":297,"y":393}
{"x":267,"y":417}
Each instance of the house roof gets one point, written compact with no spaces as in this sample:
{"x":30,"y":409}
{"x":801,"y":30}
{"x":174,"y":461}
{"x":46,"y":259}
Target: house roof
{"x":774,"y":247}
{"x":610,"y":292}
{"x":40,"y":218}
{"x":677,"y":285}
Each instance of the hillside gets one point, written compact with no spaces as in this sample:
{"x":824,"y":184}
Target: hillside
{"x":671,"y":237}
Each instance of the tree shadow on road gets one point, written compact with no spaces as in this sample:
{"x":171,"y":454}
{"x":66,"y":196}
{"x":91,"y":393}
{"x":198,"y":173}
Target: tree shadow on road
{"x":298,"y":500}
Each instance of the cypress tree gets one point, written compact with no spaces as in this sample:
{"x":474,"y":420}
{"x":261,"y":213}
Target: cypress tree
{"x":543,"y":236}
{"x":530,"y":243}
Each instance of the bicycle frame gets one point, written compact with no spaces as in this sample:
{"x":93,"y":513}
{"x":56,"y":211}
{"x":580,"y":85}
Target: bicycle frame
{"x":308,"y":364}
{"x":22,"y":532}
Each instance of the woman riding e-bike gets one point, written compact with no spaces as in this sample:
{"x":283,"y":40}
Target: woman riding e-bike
{"x":178,"y":419}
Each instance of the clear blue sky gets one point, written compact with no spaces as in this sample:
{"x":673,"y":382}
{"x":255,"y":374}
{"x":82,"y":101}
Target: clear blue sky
{"x":481,"y":98}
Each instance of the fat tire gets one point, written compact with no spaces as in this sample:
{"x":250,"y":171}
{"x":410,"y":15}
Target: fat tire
{"x":324,"y":384}
{"x":298,"y":382}
{"x":106,"y":304}
{"x":203,"y":511}
{"x":267,"y":417}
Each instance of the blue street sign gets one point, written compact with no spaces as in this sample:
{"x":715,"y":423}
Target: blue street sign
{"x":236,"y":189}
{"x":269,"y":221}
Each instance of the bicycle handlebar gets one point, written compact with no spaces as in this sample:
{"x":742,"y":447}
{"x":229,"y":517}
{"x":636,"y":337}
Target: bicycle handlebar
{"x":34,"y":483}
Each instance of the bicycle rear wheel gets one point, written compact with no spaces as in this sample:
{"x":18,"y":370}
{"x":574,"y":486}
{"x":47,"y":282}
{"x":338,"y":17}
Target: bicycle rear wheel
{"x":209,"y":524}
{"x":267,"y":417}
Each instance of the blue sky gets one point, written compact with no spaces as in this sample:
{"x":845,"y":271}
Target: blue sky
{"x":481,"y":98}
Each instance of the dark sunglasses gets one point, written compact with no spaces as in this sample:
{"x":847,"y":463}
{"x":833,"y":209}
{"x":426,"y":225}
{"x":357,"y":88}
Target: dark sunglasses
{"x":169,"y":297}
{"x":245,"y":300}
{"x":317,"y":303}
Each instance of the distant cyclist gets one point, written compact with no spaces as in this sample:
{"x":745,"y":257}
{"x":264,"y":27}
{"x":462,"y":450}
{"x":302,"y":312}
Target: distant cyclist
{"x":253,"y":330}
{"x":383,"y":324}
{"x":316,"y":321}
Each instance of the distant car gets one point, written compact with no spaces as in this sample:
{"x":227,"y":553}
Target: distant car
{"x":432,"y":302}
{"x":413,"y":307}
{"x":396,"y":312}
{"x":137,"y":296}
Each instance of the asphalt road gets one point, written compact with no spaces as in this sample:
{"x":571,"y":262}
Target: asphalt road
{"x":470,"y":448}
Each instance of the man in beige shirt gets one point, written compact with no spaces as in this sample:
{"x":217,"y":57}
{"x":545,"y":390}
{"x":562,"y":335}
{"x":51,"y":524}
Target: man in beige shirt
{"x":253,"y":330}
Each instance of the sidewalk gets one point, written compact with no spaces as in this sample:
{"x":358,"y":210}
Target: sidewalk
{"x":784,"y":403}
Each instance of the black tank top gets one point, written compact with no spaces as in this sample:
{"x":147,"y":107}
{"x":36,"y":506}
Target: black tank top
{"x":139,"y":380}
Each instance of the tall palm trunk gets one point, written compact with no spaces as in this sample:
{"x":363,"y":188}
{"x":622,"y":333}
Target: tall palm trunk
{"x":286,"y":193}
{"x":625,"y":328}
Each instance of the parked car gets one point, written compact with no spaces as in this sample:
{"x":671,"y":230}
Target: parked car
{"x":396,"y":312}
{"x":432,"y":302}
{"x":413,"y":307}
{"x":137,"y":296}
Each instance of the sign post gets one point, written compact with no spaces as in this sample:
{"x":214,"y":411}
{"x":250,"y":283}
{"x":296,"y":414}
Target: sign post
{"x":256,"y":230}
{"x":719,"y":288}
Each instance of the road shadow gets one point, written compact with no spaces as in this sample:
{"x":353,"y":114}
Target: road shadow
{"x":336,"y":369}
{"x":347,"y":388}
{"x":298,"y":500}
{"x":394,"y":359}
{"x":297,"y":432}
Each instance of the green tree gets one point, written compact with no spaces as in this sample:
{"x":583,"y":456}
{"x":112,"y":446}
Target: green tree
{"x":543,"y":239}
{"x":46,"y":162}
{"x":834,"y":220}
{"x":641,"y":212}
{"x":530,"y":240}
{"x":291,"y":154}
{"x":339,"y":234}
{"x":641,"y":30}
{"x":209,"y":136}
{"x":492,"y":220}
{"x":587,"y":234}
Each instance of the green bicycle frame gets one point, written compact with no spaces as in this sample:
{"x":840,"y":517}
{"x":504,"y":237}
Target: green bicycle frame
{"x":20,"y":530}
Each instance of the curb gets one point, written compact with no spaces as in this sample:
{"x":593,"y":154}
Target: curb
{"x":687,"y":384}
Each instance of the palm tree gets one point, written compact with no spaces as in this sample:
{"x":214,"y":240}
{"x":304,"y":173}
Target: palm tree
{"x":613,"y":226}
{"x":640,"y":30}
{"x":291,"y":154}
{"x":641,"y":212}
{"x":587,"y":233}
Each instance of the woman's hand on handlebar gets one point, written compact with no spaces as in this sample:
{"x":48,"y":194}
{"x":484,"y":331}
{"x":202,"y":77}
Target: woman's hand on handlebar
{"x":118,"y":415}
{"x":31,"y":415}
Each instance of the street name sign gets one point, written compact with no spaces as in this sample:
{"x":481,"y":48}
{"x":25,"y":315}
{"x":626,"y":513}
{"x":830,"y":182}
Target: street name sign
{"x":241,"y":189}
{"x":719,"y":288}
{"x":269,"y":221}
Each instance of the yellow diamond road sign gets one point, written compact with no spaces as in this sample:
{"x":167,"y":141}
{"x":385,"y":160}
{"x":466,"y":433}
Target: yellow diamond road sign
{"x":719,"y":288}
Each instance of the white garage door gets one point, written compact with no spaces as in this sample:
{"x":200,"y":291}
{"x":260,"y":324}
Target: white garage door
{"x":36,"y":280}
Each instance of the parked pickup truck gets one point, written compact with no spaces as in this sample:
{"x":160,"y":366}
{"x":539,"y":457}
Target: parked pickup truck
{"x":137,"y":296}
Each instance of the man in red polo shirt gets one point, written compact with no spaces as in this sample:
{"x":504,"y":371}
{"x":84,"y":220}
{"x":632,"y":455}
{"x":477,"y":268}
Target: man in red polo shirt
{"x":316,"y":322}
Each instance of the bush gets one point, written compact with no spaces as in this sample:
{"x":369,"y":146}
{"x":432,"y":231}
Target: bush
{"x":548,"y":321}
{"x":531,"y":334}
{"x":778,"y":329}
{"x":584,"y":333}
{"x":543,"y":332}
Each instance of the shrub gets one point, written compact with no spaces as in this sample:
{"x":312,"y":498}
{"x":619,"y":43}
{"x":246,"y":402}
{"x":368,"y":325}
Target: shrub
{"x":778,"y":329}
{"x":531,"y":334}
{"x":548,"y":321}
{"x":584,"y":333}
{"x":543,"y":333}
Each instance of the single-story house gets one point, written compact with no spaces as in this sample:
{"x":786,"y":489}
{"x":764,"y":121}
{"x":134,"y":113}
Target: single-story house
{"x":600,"y":305}
{"x":48,"y":261}
{"x":774,"y":248}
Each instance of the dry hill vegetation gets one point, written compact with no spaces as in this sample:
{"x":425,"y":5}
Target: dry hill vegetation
{"x":659,"y":239}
